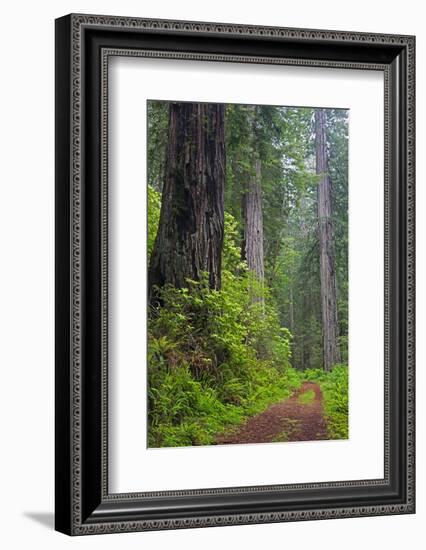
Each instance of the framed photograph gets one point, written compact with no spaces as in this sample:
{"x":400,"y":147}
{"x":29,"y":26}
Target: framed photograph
{"x":234,"y":274}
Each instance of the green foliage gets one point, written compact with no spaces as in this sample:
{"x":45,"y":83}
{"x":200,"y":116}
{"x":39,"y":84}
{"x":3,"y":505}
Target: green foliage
{"x":231,"y":253}
{"x":214,"y":357}
{"x":334,"y":387}
{"x":182,"y":410}
{"x":154,"y":206}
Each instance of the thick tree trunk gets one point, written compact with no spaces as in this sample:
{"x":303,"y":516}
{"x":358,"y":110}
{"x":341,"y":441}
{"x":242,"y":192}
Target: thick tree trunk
{"x":190,"y":233}
{"x":253,"y":223}
{"x":327,"y":272}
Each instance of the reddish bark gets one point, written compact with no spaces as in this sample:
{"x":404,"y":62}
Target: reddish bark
{"x":331,"y":351}
{"x":190,"y":234}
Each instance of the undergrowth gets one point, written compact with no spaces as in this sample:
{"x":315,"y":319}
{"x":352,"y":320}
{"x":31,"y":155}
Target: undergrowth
{"x":334,"y":387}
{"x":216,"y":357}
{"x":223,"y":359}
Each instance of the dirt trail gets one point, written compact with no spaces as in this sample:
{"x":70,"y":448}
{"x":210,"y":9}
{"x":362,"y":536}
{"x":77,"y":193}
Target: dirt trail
{"x":299,"y":418}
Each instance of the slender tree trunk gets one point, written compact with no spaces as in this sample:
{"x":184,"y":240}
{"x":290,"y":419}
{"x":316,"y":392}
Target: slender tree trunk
{"x":253,"y":223}
{"x":306,"y":343}
{"x":190,"y":233}
{"x":291,"y":310}
{"x":325,"y":230}
{"x":252,"y":214}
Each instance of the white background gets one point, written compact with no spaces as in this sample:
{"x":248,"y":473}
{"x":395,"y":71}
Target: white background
{"x":26,"y":301}
{"x":132,"y":81}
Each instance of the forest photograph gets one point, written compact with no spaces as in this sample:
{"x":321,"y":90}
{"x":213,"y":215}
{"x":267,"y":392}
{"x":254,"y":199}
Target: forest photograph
{"x":247,"y":274}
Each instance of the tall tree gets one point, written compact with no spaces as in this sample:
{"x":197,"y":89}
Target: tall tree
{"x":337,"y":136}
{"x":331,"y":349}
{"x":253,"y":222}
{"x":252,"y":208}
{"x":189,"y":240}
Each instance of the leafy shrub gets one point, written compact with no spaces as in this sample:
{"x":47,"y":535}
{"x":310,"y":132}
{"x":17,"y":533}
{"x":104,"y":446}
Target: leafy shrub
{"x":154,"y":206}
{"x":231,"y":252}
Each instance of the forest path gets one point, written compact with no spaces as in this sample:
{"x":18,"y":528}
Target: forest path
{"x":298,"y":418}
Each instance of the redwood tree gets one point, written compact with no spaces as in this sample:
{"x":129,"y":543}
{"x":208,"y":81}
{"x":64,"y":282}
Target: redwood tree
{"x":253,"y":223}
{"x":190,"y":233}
{"x":331,"y":350}
{"x":252,"y":212}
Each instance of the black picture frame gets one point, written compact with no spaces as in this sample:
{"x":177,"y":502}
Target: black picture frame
{"x":83,"y":45}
